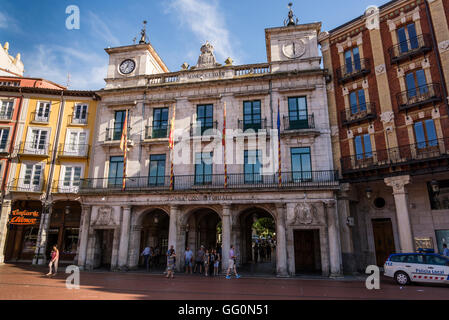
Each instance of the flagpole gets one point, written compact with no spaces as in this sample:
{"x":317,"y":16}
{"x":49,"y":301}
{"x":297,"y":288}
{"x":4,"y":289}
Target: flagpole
{"x":172,"y":148}
{"x":224,"y":148}
{"x":279,"y":144}
{"x":124,"y":145}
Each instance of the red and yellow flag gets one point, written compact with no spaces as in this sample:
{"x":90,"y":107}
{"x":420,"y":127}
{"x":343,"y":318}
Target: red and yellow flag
{"x":124,"y":148}
{"x":224,"y":148}
{"x":171,"y":145}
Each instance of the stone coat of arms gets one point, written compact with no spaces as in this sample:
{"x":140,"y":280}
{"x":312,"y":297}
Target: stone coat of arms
{"x":104,"y":217}
{"x":304,"y":213}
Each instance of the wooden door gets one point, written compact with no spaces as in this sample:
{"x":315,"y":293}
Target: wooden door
{"x":304,"y":251}
{"x":383,"y":240}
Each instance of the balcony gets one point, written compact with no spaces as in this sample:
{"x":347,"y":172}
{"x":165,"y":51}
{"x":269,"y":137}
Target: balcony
{"x":299,"y":123}
{"x":40,"y":117}
{"x":254,"y":125}
{"x":198,"y":129}
{"x":301,"y":180}
{"x":159,"y":132}
{"x":34,"y":149}
{"x":73,"y":150}
{"x":411,"y":48}
{"x":65,"y":187}
{"x":419,"y":97}
{"x":350,"y":72}
{"x":77,"y":120}
{"x":358,"y":113}
{"x":403,"y":155}
{"x":115,"y":134}
{"x":26,"y":185}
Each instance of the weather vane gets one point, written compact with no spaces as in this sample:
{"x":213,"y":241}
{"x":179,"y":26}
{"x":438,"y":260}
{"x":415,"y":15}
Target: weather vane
{"x":290,"y":21}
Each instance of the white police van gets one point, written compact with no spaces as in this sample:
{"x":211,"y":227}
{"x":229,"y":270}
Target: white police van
{"x":417,"y":267}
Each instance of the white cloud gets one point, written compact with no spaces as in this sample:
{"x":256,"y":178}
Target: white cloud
{"x":101,"y":30}
{"x":8,"y":22}
{"x":87,"y":69}
{"x":3,"y":21}
{"x":206,"y":21}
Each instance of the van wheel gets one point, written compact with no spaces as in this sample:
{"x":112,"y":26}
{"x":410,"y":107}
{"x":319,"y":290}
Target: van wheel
{"x":402,"y":278}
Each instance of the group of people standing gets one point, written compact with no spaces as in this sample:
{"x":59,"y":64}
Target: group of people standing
{"x":152,"y":257}
{"x":207,"y":261}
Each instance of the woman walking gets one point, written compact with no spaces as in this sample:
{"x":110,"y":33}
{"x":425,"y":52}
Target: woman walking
{"x":171,"y":261}
{"x":216,"y":262}
{"x":54,"y":261}
{"x":206,"y":262}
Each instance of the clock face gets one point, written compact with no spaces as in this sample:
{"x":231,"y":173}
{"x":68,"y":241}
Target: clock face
{"x":294,"y":49}
{"x":127,"y":66}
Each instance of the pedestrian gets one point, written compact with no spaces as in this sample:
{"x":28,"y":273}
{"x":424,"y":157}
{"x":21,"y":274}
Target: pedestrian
{"x":171,"y":261}
{"x":206,"y":262}
{"x":54,"y":261}
{"x":146,"y":253}
{"x":216,"y":263}
{"x":188,"y":257}
{"x":199,"y":260}
{"x":212,"y":262}
{"x":231,"y":264}
{"x":445,"y":250}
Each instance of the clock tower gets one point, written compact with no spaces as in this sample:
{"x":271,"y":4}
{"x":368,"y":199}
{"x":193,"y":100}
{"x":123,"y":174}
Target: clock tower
{"x":294,"y":46}
{"x":128,"y":65}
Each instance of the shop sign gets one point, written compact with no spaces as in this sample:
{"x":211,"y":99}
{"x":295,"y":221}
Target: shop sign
{"x":24,"y":218}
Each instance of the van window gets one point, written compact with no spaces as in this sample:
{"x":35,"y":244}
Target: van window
{"x":439,"y":261}
{"x":398,"y":258}
{"x":415,"y":258}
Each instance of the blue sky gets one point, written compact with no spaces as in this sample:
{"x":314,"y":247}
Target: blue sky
{"x":176,"y":28}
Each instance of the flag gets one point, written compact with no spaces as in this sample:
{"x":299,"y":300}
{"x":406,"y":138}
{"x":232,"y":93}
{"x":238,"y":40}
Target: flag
{"x":279,"y":143}
{"x":171,"y":145}
{"x":224,"y":147}
{"x":124,"y":148}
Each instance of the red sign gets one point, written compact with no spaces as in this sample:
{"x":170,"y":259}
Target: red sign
{"x":24,"y":218}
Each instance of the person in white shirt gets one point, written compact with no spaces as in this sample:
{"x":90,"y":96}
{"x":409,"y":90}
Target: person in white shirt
{"x":188,"y":260}
{"x":146,"y":253}
{"x":445,"y":250}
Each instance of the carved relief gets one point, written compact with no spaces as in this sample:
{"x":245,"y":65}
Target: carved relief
{"x":304,"y":213}
{"x":104,"y":217}
{"x":444,"y":46}
{"x":387,"y":117}
{"x":380,"y":69}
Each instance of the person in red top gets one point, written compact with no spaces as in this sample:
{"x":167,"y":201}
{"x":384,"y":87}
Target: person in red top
{"x":54,"y":261}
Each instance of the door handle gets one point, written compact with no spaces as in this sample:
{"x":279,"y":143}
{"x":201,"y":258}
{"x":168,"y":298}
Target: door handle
{"x":408,"y":266}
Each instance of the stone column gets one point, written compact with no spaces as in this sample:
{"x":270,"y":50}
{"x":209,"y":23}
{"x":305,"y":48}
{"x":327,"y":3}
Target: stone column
{"x":226,"y":236}
{"x":334,"y":239}
{"x":124,"y":238}
{"x":4,"y":216}
{"x":173,"y":229}
{"x":347,"y":245}
{"x":401,"y":201}
{"x":84,"y":234}
{"x":281,"y":242}
{"x":41,"y":245}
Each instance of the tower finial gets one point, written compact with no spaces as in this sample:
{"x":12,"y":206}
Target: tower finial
{"x":290,"y":21}
{"x":143,"y":33}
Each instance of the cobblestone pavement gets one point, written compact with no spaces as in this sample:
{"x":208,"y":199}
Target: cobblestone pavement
{"x":25,"y":282}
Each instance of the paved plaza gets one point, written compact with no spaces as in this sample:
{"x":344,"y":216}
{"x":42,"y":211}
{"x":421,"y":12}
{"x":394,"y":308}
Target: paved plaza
{"x":25,"y":282}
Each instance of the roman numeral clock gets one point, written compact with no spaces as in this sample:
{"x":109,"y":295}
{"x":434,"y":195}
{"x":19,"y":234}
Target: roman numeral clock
{"x":294,"y":49}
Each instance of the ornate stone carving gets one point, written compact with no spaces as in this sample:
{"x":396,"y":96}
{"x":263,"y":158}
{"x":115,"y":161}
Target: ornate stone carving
{"x":304,"y":213}
{"x":380,"y":69}
{"x":443,"y":46}
{"x":104,"y":217}
{"x":398,"y":183}
{"x":207,"y":57}
{"x":387,"y":116}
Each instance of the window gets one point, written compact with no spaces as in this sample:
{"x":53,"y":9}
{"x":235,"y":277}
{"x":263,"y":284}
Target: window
{"x":297,"y":113}
{"x":80,"y":114}
{"x":415,"y":258}
{"x":416,"y":83}
{"x":407,"y":38}
{"x":119,"y":121}
{"x":301,"y":164}
{"x":6,"y":109}
{"x":157,"y":170}
{"x":115,"y":171}
{"x":72,"y":177}
{"x":76,"y":144}
{"x":42,"y":112}
{"x":363,"y":148}
{"x":436,"y":260}
{"x":399,"y":258}
{"x":203,"y":168}
{"x":439,"y":200}
{"x":425,"y":134}
{"x":252,"y":117}
{"x":442,"y":238}
{"x":253,"y":167}
{"x":30,"y":240}
{"x":352,"y":60}
{"x":160,"y":123}
{"x":357,"y":101}
{"x":71,"y":236}
{"x":32,"y":177}
{"x":205,"y":117}
{"x":38,"y":141}
{"x":4,"y":134}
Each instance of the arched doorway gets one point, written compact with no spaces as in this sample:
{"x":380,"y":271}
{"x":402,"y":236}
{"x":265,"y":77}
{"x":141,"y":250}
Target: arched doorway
{"x":155,"y":225}
{"x":258,"y":242}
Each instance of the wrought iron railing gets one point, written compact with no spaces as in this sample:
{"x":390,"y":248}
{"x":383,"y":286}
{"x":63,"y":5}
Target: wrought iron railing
{"x":159,"y":132}
{"x":40,"y":117}
{"x":358,"y":113}
{"x":73,"y":150}
{"x":304,"y":179}
{"x":419,"y":96}
{"x":26,"y":185}
{"x":115,"y":133}
{"x":254,"y":125}
{"x":203,"y":128}
{"x":299,"y":123}
{"x":417,"y":152}
{"x":75,"y":120}
{"x":63,"y":186}
{"x":354,"y":70}
{"x":34,"y":148}
{"x":412,"y":47}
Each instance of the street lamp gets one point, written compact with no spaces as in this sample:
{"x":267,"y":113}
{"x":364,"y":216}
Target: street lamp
{"x":435,"y":186}
{"x":369,"y":192}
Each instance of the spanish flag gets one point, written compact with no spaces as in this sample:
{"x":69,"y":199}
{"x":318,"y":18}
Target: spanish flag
{"x":124,"y":148}
{"x":171,"y":145}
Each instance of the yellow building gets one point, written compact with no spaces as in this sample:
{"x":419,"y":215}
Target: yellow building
{"x":51,"y":155}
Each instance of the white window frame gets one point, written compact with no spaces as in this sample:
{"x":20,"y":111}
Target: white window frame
{"x":5,"y":149}
{"x":42,"y":118}
{"x":82,"y":149}
{"x":5,"y":102}
{"x":71,"y":188}
{"x":31,"y":187}
{"x":81,"y":120}
{"x":28,"y":147}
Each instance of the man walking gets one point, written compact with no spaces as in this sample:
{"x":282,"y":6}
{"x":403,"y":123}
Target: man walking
{"x":231,"y":264}
{"x":146,"y":253}
{"x":188,"y":260}
{"x":199,"y":259}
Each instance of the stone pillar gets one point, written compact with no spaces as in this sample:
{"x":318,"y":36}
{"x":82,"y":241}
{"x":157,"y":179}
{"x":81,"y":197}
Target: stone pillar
{"x":403,"y":218}
{"x":124,"y":238}
{"x":226,"y":236}
{"x":4,"y":215}
{"x":347,"y":245}
{"x":334,"y":239}
{"x":173,"y":229}
{"x":281,"y":242}
{"x":41,"y":245}
{"x":84,"y":234}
